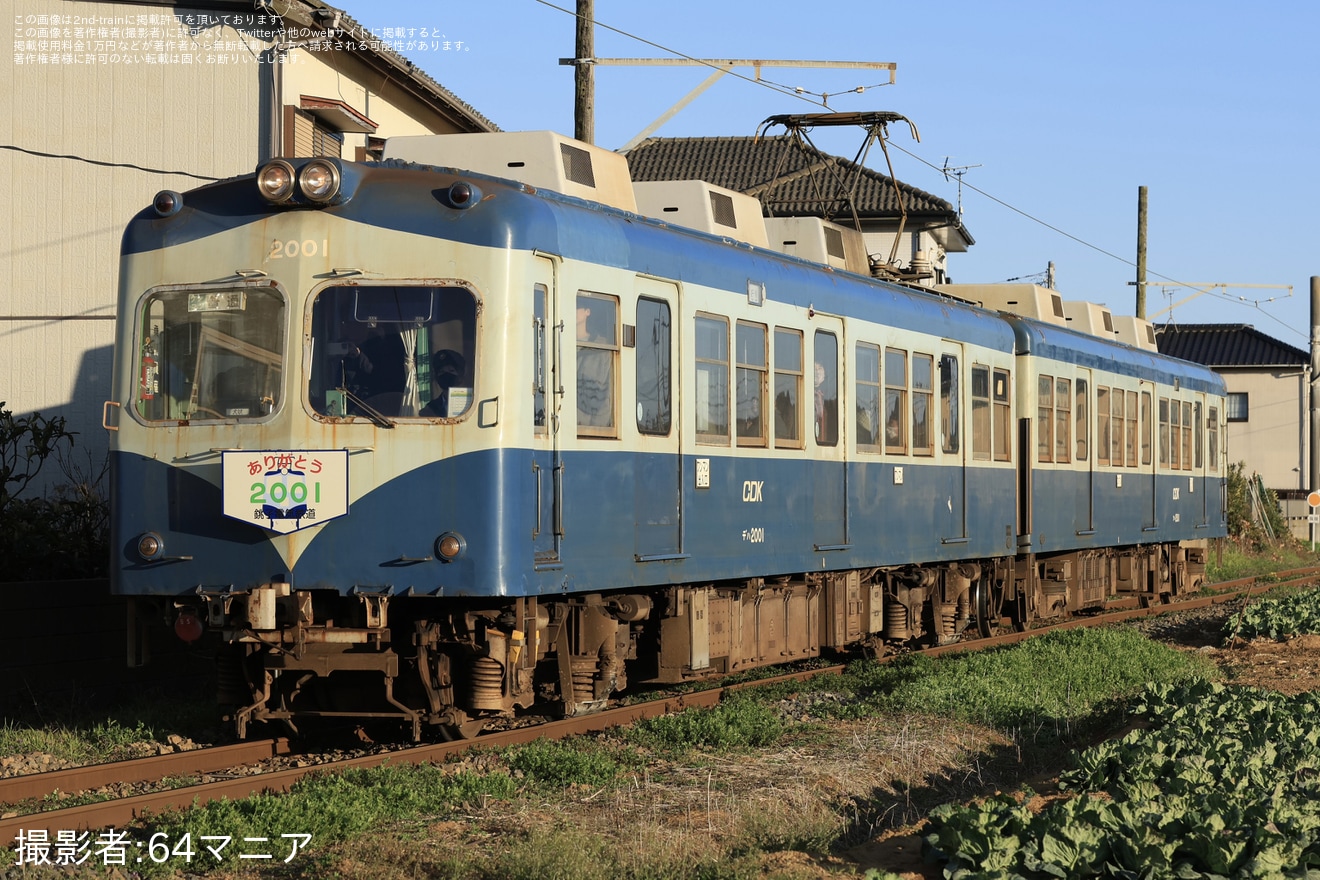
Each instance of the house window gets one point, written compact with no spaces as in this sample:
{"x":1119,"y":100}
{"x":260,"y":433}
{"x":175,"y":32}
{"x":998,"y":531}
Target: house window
{"x":1237,"y":409}
{"x":308,"y":136}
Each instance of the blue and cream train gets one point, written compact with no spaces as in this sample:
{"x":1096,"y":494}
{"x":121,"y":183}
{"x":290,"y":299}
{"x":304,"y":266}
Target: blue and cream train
{"x":464,"y":432}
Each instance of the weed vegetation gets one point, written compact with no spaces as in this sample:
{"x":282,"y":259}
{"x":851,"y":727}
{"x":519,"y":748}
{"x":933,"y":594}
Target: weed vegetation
{"x":730,"y":792}
{"x":68,"y":737}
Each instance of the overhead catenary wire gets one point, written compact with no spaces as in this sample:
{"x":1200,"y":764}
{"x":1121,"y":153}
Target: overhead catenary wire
{"x":811,"y":97}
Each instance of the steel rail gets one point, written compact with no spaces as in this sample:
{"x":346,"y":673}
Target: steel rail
{"x":15,"y":789}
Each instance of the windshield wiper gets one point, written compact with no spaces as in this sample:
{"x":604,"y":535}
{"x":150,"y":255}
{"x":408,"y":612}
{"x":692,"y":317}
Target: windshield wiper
{"x":369,"y":411}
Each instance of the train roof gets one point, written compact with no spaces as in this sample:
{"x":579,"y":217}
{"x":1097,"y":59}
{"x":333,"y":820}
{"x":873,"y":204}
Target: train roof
{"x":1070,"y":346}
{"x":517,"y":216}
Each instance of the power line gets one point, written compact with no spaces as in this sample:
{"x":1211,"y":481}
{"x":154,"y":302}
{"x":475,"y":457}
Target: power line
{"x":104,"y":164}
{"x":791,"y":91}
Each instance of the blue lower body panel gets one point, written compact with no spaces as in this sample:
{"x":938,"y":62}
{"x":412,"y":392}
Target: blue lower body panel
{"x":628,"y":520}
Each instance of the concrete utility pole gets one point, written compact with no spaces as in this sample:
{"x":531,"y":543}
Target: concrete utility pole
{"x":1141,"y":252}
{"x":584,"y":106}
{"x":1314,"y":483}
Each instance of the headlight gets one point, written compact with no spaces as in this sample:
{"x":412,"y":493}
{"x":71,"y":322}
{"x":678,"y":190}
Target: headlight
{"x":167,"y":203}
{"x":275,"y":181}
{"x":150,"y":547}
{"x":319,"y":180}
{"x":450,"y":546}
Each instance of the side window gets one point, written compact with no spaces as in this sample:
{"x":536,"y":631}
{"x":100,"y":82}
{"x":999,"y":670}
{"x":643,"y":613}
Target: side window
{"x":949,"y":404}
{"x":654,"y":382}
{"x":539,"y":374}
{"x":1198,"y":445}
{"x":788,"y":388}
{"x":712,"y":399}
{"x":1187,"y":435}
{"x":866,"y":367}
{"x":1164,"y":432}
{"x":1102,"y":426}
{"x":1003,"y":417}
{"x":1145,"y":427}
{"x":597,"y":364}
{"x":750,"y":383}
{"x":1045,"y":418}
{"x":1212,"y":430}
{"x":895,"y":400}
{"x":1082,"y":412}
{"x":981,"y":438}
{"x":1175,"y":434}
{"x":1062,"y":420}
{"x":1132,"y":428}
{"x":826,"y":383}
{"x":923,"y":438}
{"x":1118,"y":428}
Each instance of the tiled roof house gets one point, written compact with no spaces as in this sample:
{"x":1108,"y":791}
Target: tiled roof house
{"x":793,"y":179}
{"x":1268,"y":396}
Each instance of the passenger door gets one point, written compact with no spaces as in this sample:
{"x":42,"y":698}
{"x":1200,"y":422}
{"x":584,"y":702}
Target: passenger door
{"x":829,"y":447}
{"x":658,"y":489}
{"x":547,"y":400}
{"x":1083,"y":460}
{"x":953,"y":454}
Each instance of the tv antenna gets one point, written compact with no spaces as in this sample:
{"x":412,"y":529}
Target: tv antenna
{"x":957,"y":171}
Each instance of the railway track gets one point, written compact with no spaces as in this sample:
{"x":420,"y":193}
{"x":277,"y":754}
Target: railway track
{"x":120,"y":812}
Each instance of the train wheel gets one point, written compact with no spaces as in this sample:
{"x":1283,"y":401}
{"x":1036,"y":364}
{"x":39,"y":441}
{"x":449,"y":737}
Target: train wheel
{"x":982,"y":606}
{"x":1017,"y":609}
{"x":456,"y":725}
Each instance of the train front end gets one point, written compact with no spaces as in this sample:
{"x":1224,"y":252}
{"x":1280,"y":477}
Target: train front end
{"x":297,"y":447}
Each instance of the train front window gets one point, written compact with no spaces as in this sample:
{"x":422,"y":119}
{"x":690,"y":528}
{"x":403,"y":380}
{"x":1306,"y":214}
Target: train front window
{"x":209,"y":354}
{"x":383,"y":352}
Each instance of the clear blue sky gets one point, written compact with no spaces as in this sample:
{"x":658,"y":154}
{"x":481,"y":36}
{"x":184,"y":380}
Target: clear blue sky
{"x":1067,"y":107}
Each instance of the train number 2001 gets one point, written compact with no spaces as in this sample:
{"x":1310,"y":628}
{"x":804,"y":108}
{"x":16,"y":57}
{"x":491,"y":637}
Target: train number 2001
{"x":307,"y":247}
{"x":279,"y":493}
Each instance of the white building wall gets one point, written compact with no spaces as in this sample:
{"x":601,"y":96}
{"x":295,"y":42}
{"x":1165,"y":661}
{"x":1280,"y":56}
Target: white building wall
{"x":176,"y":93}
{"x":61,"y":219}
{"x":1270,"y":442}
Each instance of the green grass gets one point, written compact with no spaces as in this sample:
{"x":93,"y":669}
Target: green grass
{"x":101,"y":741}
{"x":1238,"y":563}
{"x":76,"y":735}
{"x":1042,"y":692}
{"x":740,"y":721}
{"x":1066,"y":682}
